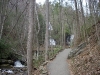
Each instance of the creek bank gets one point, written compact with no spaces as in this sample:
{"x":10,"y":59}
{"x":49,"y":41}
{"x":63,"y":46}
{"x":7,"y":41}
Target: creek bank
{"x":14,"y":71}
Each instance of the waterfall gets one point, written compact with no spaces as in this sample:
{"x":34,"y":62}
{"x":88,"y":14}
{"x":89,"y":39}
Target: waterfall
{"x":18,"y":64}
{"x":72,"y":37}
{"x":52,"y":42}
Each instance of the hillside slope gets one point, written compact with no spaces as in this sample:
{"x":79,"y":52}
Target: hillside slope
{"x":86,"y":61}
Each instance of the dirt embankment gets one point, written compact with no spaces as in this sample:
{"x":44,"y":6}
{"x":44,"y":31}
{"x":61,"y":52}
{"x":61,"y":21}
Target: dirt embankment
{"x":87,"y":61}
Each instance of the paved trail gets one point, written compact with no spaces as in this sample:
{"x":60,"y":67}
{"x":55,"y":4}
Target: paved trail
{"x":59,"y":65}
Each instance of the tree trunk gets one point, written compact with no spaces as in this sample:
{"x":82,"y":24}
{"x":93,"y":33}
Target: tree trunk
{"x":31,"y":9}
{"x":90,"y":6}
{"x":2,"y":16}
{"x":83,"y":20}
{"x":47,"y":24}
{"x":37,"y":32}
{"x":77,"y":34}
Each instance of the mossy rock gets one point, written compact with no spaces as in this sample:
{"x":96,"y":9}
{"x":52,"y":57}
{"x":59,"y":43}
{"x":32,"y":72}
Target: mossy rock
{"x":77,"y":51}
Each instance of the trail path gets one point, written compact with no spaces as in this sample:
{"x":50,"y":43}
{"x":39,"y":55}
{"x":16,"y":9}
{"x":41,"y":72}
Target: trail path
{"x":59,"y":65}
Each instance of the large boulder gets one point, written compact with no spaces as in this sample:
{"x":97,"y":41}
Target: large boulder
{"x":78,"y":50}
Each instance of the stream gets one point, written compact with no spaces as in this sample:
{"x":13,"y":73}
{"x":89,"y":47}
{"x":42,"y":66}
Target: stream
{"x":17,"y":69}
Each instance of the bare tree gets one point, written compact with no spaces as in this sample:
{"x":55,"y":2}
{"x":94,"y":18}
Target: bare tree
{"x":77,"y":34}
{"x":37,"y":31}
{"x":83,"y":18}
{"x":47,"y":26}
{"x":31,"y":9}
{"x":3,"y":12}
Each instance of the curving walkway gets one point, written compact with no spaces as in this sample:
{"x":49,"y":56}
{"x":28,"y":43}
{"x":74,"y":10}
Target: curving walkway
{"x":59,"y":65}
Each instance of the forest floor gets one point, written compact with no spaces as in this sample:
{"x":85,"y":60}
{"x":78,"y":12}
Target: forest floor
{"x":88,"y":61}
{"x":59,"y":66}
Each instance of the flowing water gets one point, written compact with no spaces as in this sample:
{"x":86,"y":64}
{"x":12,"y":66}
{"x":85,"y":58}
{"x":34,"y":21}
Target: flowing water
{"x":18,"y":64}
